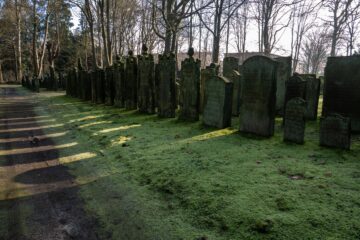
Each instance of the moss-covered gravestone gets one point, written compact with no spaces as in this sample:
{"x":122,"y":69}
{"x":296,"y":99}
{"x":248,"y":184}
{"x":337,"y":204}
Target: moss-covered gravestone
{"x":87,"y":85}
{"x":100,"y":86}
{"x":335,"y":131}
{"x":218,"y":100}
{"x":231,"y":70}
{"x":284,"y":72}
{"x":311,"y":96}
{"x":258,"y":96}
{"x":146,"y":82}
{"x":342,"y":89}
{"x":190,"y":88}
{"x":130,"y":82}
{"x":93,"y":76}
{"x":295,"y":87}
{"x":119,"y":82}
{"x":166,"y":86}
{"x":294,"y":120}
{"x":109,"y":86}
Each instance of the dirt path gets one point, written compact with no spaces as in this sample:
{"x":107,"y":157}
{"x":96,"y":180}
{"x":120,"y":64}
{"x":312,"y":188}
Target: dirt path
{"x":38,"y":193}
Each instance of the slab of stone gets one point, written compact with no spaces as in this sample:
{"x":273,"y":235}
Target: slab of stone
{"x":190,"y":89}
{"x":218,"y":100}
{"x":130,"y":82}
{"x":146,"y":83}
{"x":294,"y":120}
{"x":335,"y":131}
{"x":166,"y":86}
{"x":231,"y":70}
{"x":258,"y":96}
{"x":283,"y":74}
{"x":342,"y":89}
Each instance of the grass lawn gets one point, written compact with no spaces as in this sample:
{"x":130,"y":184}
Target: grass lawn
{"x":150,"y":178}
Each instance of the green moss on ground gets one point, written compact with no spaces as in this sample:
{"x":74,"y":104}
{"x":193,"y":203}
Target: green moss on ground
{"x":150,"y":178}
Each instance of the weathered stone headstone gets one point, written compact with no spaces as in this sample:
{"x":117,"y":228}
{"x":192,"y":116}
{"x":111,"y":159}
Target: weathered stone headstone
{"x":81,"y":81}
{"x":131,"y":82}
{"x":335,"y":131}
{"x":109,"y":86}
{"x":258,"y":96}
{"x":190,"y":88}
{"x":93,"y":76}
{"x":283,"y":74}
{"x":119,"y":83}
{"x":231,"y":70}
{"x":342,"y":89}
{"x":311,"y":96}
{"x":217,"y":101}
{"x":294,"y":120}
{"x":295,"y":87}
{"x":146,"y":82}
{"x":87,"y":85}
{"x":167,"y":88}
{"x":100,"y":86}
{"x":203,"y":77}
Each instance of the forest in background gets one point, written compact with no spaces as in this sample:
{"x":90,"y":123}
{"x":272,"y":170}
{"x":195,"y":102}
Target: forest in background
{"x":37,"y":36}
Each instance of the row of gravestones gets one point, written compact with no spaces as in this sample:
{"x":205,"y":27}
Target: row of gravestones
{"x":50,"y":83}
{"x":341,"y":112}
{"x":137,"y":83}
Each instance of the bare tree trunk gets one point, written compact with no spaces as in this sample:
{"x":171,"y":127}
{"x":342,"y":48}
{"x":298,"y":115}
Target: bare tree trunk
{"x":34,"y":38}
{"x":1,"y":73}
{"x":18,"y":40}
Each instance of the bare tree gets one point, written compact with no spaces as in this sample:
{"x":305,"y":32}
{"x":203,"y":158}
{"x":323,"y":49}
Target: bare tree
{"x":304,"y":14}
{"x":314,"y":51}
{"x":270,"y":16}
{"x":340,"y":11}
{"x":352,"y":31}
{"x":221,"y":12}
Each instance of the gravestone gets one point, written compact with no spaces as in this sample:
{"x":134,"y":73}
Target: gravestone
{"x":190,"y":88}
{"x":342,"y":89}
{"x":311,"y":96}
{"x":283,"y":74}
{"x":100,"y":86}
{"x":218,"y":100}
{"x":166,"y":86}
{"x":258,"y":96}
{"x":295,"y":87}
{"x":335,"y":131}
{"x":131,"y":82}
{"x":294,"y":120}
{"x":119,"y":82}
{"x":157,"y":83}
{"x":146,"y":82}
{"x":109,"y":86}
{"x":81,"y":81}
{"x":88,"y":86}
{"x":203,"y":77}
{"x":93,"y":77}
{"x":231,"y":70}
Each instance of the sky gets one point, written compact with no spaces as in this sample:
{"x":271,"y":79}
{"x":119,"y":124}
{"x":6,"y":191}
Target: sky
{"x":283,"y":46}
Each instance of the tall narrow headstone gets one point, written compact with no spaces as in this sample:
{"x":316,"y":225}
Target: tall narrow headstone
{"x":100,"y":86}
{"x":131,"y":82}
{"x":190,"y":88}
{"x":146,"y":82}
{"x":218,"y":100}
{"x":311,"y":96}
{"x":258,"y":96}
{"x":295,"y":87}
{"x":167,"y":88}
{"x":342,"y":89}
{"x":335,"y":131}
{"x":294,"y":120}
{"x":119,"y":82}
{"x":283,"y":74}
{"x":231,"y":70}
{"x":93,"y":80}
{"x":109,"y":86}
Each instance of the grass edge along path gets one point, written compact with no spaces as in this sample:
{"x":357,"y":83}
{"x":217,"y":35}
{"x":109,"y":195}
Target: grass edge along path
{"x":164,"y":179}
